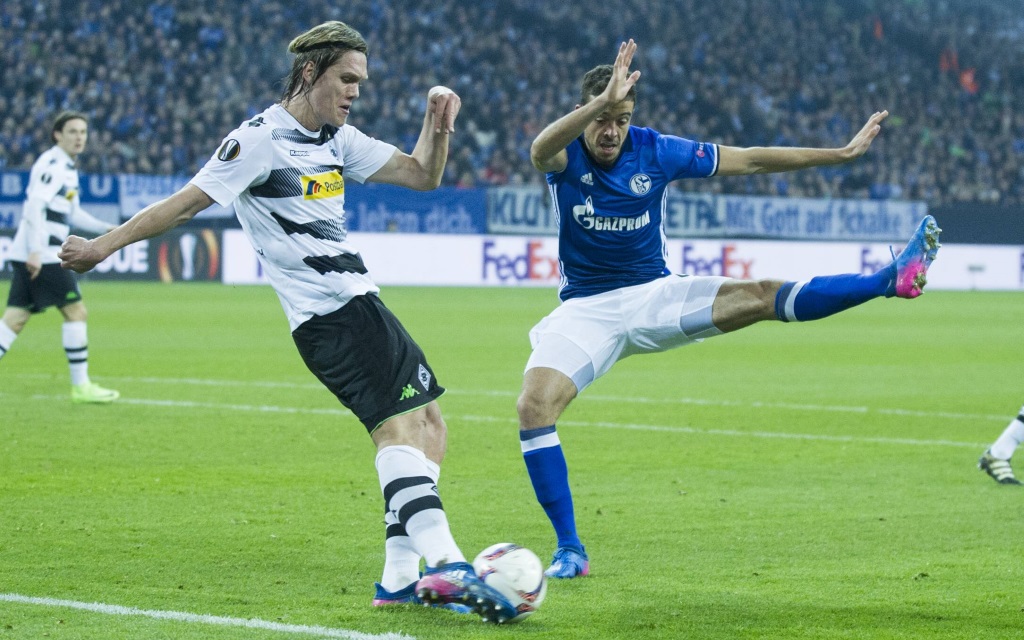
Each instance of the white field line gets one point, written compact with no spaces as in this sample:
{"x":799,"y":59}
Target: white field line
{"x":510,"y":421}
{"x":181,"y":616}
{"x":753,"y":404}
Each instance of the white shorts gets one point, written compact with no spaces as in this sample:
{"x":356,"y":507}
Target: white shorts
{"x":584,"y":337}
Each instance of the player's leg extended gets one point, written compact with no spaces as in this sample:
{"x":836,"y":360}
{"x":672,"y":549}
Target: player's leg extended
{"x":996,"y":461}
{"x":76,"y":347}
{"x":10,"y":326}
{"x":410,"y":447}
{"x":408,"y":479}
{"x":742,"y":303}
{"x":546,"y":393}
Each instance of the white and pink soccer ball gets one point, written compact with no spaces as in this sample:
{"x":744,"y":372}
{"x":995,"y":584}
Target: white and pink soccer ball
{"x":516,"y":573}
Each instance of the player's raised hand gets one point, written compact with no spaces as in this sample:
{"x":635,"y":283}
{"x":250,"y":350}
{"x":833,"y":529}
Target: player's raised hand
{"x":622,"y":80}
{"x":443,"y":105}
{"x":78,"y":254}
{"x":860,"y":143}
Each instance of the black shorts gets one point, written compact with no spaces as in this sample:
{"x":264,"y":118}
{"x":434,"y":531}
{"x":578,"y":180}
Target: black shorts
{"x":53,"y":287}
{"x":365,"y":357}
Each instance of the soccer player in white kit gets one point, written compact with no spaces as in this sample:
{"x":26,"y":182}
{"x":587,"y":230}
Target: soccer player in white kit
{"x":996,"y":459}
{"x":608,"y":180}
{"x":284,"y":171}
{"x":51,"y":208}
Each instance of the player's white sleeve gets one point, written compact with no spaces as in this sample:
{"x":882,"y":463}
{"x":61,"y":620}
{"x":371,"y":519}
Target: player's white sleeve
{"x":44,"y":182}
{"x":363,"y":155}
{"x":82,"y":219}
{"x":33,"y":223}
{"x":242,"y":160}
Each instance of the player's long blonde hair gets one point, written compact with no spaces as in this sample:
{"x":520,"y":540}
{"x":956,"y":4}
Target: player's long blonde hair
{"x":322,"y":45}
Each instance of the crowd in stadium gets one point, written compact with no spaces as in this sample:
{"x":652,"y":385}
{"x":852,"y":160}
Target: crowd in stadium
{"x":164,"y":81}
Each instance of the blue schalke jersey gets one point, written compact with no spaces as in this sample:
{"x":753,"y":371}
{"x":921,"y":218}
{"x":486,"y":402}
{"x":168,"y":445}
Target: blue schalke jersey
{"x":611,"y":230}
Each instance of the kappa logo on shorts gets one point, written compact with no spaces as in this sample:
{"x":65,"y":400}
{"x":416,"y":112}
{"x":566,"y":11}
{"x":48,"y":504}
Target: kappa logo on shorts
{"x":408,"y":392}
{"x":424,"y":378}
{"x":328,"y":184}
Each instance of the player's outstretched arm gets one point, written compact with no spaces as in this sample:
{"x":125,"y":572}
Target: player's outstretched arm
{"x":423,"y":168}
{"x":81,"y":255}
{"x":733,"y":161}
{"x":548,"y":150}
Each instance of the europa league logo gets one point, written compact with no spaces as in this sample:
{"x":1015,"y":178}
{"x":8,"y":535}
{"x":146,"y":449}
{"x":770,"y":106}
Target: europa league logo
{"x":192,"y":256}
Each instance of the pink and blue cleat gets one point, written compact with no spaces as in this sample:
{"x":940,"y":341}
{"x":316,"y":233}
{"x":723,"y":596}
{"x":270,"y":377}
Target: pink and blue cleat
{"x":568,"y":562}
{"x":911,"y":265}
{"x":407,"y":595}
{"x":456,"y":583}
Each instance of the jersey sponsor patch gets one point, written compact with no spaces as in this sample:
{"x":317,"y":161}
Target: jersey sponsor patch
{"x":328,"y":184}
{"x":229,"y":150}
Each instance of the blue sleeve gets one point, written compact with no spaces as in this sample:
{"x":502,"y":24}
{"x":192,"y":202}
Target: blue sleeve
{"x":682,"y":158}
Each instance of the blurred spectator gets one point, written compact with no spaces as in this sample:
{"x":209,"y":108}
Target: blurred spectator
{"x":164,"y":78}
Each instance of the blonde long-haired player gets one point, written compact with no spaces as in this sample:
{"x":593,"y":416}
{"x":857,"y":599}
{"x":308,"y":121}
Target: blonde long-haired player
{"x":284,"y":171}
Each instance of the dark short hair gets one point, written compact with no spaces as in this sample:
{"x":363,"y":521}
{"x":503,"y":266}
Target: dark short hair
{"x":324,"y":45}
{"x":595,"y":81}
{"x":63,"y":118}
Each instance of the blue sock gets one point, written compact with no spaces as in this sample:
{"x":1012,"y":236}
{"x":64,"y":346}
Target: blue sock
{"x":826,"y":295}
{"x":542,"y":452}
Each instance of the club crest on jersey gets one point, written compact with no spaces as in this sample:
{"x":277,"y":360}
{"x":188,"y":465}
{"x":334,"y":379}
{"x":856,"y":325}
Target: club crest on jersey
{"x":640,"y":184}
{"x":229,"y":150}
{"x":328,"y":184}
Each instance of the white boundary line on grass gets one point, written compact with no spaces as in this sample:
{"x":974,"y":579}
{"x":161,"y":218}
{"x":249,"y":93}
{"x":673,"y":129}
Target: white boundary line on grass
{"x":181,"y":616}
{"x":188,"y":404}
{"x":753,"y":404}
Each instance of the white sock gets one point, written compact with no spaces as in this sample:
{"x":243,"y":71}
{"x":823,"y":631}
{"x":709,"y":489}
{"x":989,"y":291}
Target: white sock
{"x":1011,"y":438}
{"x":401,"y":560}
{"x":76,"y":346}
{"x":410,"y":492}
{"x":7,"y":337}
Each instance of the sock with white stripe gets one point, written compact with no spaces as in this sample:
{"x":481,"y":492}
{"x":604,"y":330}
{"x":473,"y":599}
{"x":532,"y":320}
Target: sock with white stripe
{"x":1010,"y":440}
{"x":545,"y":462}
{"x":7,"y":337}
{"x":410,"y":493}
{"x":76,"y":346}
{"x":827,"y":295}
{"x":401,"y":560}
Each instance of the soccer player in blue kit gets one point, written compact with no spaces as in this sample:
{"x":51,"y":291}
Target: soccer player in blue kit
{"x":607,"y":180}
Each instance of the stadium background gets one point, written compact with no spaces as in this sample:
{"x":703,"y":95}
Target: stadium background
{"x":164,"y":81}
{"x":834,"y":498}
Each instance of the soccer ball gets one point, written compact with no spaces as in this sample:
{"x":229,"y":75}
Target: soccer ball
{"x":516,"y":573}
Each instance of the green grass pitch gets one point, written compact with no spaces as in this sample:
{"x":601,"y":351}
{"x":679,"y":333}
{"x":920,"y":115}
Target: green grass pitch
{"x":787,"y":481}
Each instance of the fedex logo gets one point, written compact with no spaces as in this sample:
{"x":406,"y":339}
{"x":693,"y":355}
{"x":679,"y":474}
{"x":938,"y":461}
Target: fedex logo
{"x":869,"y":265}
{"x":727,"y":263}
{"x":532,"y":265}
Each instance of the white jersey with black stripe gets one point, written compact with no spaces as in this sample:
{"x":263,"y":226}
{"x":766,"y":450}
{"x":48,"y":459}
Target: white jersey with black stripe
{"x":51,"y":208}
{"x":287,"y":185}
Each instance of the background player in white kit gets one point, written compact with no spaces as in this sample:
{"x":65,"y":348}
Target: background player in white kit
{"x":51,"y":208}
{"x":996,"y":459}
{"x":285,"y":170}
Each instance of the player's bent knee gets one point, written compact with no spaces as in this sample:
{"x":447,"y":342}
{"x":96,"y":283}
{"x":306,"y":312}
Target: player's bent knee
{"x":75,"y":312}
{"x":537,"y":411}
